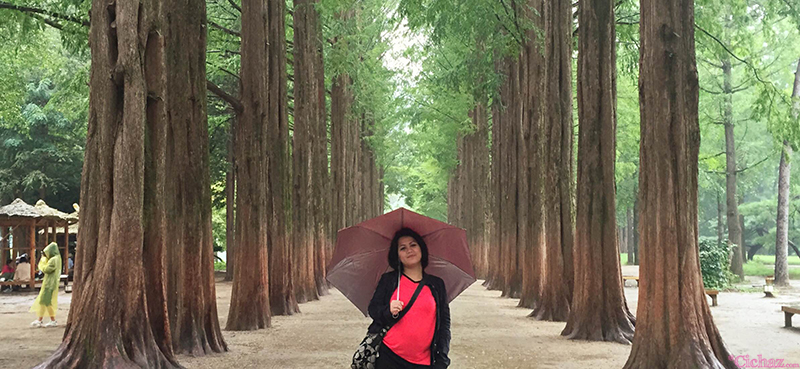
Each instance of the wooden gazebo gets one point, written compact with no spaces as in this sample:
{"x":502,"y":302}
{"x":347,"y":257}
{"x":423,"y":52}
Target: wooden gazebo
{"x":22,"y":219}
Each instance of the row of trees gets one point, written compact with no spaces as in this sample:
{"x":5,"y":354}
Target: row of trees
{"x":531,"y":180}
{"x":144,"y":271}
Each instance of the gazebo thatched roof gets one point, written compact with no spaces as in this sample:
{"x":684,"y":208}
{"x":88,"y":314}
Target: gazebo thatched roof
{"x":19,"y":209}
{"x":52,"y":214}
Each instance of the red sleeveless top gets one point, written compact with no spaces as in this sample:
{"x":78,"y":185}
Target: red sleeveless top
{"x":411,"y":337}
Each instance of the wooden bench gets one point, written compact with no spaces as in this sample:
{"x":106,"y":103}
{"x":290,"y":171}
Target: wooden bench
{"x":713,"y":294}
{"x":630,"y":277}
{"x":788,"y":311}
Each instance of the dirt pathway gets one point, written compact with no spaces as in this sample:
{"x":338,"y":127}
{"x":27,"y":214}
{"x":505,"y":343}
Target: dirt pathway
{"x":488,"y":332}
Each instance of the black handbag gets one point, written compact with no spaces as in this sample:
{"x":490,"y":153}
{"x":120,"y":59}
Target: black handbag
{"x":366,"y":357}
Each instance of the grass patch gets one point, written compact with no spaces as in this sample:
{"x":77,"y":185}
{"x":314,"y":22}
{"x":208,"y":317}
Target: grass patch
{"x":219,"y":266}
{"x":763,"y":266}
{"x":623,"y":258}
{"x":770,"y":259}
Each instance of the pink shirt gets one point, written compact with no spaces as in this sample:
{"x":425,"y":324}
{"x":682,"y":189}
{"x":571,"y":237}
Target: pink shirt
{"x":411,"y":337}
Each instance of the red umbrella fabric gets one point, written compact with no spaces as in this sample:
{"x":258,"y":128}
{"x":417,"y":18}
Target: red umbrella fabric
{"x":360,"y":256}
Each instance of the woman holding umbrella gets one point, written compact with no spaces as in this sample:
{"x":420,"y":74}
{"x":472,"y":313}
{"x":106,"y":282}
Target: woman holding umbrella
{"x":413,"y":305}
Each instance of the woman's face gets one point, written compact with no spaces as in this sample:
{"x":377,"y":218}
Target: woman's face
{"x":409,"y":251}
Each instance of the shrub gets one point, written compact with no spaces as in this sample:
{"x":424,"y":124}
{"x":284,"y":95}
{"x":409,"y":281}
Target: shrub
{"x":714,"y":263}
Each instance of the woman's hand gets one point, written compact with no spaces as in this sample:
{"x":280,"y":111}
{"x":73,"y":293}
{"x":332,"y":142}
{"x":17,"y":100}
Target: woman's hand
{"x":396,"y":306}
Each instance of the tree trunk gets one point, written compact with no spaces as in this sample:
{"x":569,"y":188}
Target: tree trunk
{"x":782,"y":221}
{"x":319,"y":158}
{"x":734,"y":230}
{"x":230,"y":208}
{"x":533,"y":254}
{"x":194,"y":321}
{"x":341,"y":100}
{"x":674,"y":325}
{"x":513,"y":285}
{"x":495,"y":193}
{"x":250,"y":306}
{"x":558,"y":277}
{"x":281,"y":287}
{"x":305,"y":120}
{"x":720,"y":223}
{"x":782,"y":231}
{"x":509,"y":183}
{"x":635,"y":247}
{"x":597,"y":316}
{"x":118,"y":311}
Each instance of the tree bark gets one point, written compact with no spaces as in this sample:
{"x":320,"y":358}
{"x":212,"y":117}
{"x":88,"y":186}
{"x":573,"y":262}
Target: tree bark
{"x":319,"y":158}
{"x":118,"y":314}
{"x":533,"y":254}
{"x":782,"y":221}
{"x":599,"y":311}
{"x":281,"y":285}
{"x":194,"y":321}
{"x":558,"y":278}
{"x":636,"y":228}
{"x":720,"y":223}
{"x":230,"y":208}
{"x":495,"y":192}
{"x":734,"y":230}
{"x":305,"y":120}
{"x":250,"y":306}
{"x":674,"y":325}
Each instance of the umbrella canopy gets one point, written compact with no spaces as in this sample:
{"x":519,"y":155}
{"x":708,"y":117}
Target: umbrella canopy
{"x":361,"y":255}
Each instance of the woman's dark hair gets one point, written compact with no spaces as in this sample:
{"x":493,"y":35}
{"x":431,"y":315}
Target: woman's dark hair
{"x":394,"y":258}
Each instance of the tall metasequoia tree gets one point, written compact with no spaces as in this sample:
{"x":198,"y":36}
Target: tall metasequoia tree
{"x":250,"y":305}
{"x":599,"y":311}
{"x":281,"y":287}
{"x":341,"y":103}
{"x":674,"y":325}
{"x":319,"y":157}
{"x":557,"y":283}
{"x":782,"y":220}
{"x":531,"y":153}
{"x":191,"y":296}
{"x":492,"y":280}
{"x":230,"y":198}
{"x":512,"y":286}
{"x":304,"y":173}
{"x":118,"y":314}
{"x":467,"y":187}
{"x":734,"y":228}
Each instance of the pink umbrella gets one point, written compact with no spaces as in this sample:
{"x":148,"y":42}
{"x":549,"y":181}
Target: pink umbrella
{"x":360,"y":256}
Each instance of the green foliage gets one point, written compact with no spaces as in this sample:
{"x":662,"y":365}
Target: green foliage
{"x":714,"y":263}
{"x":42,"y":120}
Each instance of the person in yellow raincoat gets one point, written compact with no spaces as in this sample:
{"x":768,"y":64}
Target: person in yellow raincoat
{"x":47,"y":301}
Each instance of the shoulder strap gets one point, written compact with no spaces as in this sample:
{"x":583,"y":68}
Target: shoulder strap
{"x":413,"y":298}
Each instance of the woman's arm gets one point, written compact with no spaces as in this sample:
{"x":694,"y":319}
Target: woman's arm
{"x":443,"y":346}
{"x":378,"y":306}
{"x":49,"y":265}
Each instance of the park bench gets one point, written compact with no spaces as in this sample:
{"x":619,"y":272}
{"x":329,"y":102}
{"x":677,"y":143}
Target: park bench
{"x":64,"y":278}
{"x":789,"y":311}
{"x":629,"y":278}
{"x":713,"y":294}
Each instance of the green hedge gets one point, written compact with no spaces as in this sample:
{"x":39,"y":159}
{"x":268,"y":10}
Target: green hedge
{"x":714,"y":263}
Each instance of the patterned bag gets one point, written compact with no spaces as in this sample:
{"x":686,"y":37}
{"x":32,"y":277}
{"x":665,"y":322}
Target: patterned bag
{"x":366,"y":357}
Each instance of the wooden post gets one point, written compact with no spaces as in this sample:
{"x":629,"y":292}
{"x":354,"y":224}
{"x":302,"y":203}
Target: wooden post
{"x":4,"y":243}
{"x":66,"y":248}
{"x":32,"y":244}
{"x":46,"y":234}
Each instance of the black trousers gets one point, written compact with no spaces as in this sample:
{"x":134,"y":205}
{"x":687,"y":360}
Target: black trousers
{"x":389,"y":360}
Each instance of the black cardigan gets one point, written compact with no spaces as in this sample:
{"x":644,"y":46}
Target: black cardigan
{"x":382,"y":316}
